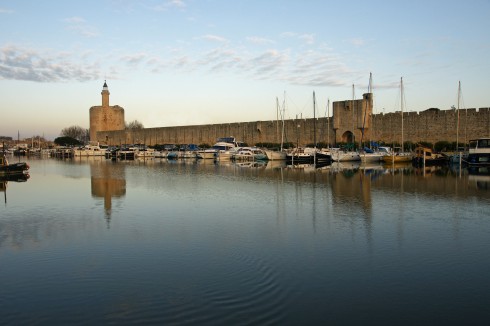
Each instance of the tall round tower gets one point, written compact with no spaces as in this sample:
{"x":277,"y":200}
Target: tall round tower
{"x":105,"y":117}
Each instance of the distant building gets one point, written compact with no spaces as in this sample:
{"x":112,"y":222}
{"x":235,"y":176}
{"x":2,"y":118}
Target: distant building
{"x":105,"y":117}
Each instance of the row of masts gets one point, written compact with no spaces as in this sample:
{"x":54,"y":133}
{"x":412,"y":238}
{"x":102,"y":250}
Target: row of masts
{"x":281,"y":112}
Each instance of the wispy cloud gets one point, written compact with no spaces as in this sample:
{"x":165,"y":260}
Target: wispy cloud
{"x":357,"y":41}
{"x":134,"y":59}
{"x":305,"y":38}
{"x":80,"y":26}
{"x":169,"y":5}
{"x":259,"y":40}
{"x":26,"y":64}
{"x":214,"y":38}
{"x":319,"y":67}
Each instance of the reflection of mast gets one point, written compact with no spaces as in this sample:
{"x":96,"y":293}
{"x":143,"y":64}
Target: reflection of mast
{"x":3,"y":186}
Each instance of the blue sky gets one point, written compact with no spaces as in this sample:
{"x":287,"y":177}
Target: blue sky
{"x":183,"y":62}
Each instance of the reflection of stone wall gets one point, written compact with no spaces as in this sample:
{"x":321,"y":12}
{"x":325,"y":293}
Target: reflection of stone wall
{"x":108,"y":181}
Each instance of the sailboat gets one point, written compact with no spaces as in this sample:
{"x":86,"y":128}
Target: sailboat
{"x":367,"y":154}
{"x":399,"y":156}
{"x":458,"y":157}
{"x":274,"y":155}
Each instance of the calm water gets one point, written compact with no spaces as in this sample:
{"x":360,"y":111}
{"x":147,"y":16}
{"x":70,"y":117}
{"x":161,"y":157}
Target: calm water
{"x":100,"y":242}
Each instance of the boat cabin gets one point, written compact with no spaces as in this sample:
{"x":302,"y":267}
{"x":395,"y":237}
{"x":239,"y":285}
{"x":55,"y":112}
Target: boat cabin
{"x":479,"y":152}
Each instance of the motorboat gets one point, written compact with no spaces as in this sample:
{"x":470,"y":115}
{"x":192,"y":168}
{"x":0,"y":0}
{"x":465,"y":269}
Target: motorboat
{"x":90,"y":150}
{"x":225,"y":148}
{"x":479,"y":152}
{"x":249,"y":154}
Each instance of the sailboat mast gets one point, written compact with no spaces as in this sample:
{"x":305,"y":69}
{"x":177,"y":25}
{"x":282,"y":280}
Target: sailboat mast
{"x":314,"y":119}
{"x":283,"y":113}
{"x":365,"y":113}
{"x":277,"y":119}
{"x":328,"y":122}
{"x":457,"y":125}
{"x":401,"y":101}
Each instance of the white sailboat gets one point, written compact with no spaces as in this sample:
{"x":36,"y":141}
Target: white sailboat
{"x":368,"y":155}
{"x":458,"y":157}
{"x":274,"y":155}
{"x":399,"y":156}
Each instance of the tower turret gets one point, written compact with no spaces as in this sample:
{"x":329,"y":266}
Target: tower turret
{"x":105,"y":117}
{"x":105,"y":95}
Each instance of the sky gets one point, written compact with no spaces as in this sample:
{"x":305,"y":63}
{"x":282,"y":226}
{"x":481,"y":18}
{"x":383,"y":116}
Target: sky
{"x":191,"y":62}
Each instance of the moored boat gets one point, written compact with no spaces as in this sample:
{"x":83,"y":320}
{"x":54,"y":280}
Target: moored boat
{"x":275,"y":155}
{"x":90,"y":150}
{"x":425,"y":156}
{"x":299,"y":155}
{"x":479,"y":152}
{"x":7,"y":169}
{"x":341,"y":155}
{"x":249,"y":154}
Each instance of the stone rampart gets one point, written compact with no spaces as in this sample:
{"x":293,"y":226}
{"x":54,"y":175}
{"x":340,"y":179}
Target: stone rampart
{"x":431,"y":125}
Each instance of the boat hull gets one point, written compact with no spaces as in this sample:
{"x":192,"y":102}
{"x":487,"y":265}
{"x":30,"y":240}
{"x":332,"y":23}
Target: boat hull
{"x":14,"y":169}
{"x":478,"y":159}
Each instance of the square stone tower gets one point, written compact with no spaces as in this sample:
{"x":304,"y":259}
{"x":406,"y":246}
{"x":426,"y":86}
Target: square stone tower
{"x":105,"y":117}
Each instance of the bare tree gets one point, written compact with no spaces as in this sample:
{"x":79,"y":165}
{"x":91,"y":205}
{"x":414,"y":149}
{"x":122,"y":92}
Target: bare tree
{"x":135,"y":124}
{"x":75,"y":132}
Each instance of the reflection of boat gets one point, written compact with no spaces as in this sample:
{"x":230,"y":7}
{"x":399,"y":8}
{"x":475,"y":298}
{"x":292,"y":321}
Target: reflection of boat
{"x":479,"y":152}
{"x":4,"y":179}
{"x":339,"y":166}
{"x":15,"y":177}
{"x":425,"y":156}
{"x":277,"y":164}
{"x":254,"y":164}
{"x":7,"y":169}
{"x":479,"y":176}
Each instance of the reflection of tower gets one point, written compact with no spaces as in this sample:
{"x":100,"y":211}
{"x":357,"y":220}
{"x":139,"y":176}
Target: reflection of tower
{"x":108,"y":181}
{"x":353,"y":186}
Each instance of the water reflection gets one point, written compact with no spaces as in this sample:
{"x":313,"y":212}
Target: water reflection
{"x":4,"y":180}
{"x":217,"y":242}
{"x":107,"y":181}
{"x":479,"y":177}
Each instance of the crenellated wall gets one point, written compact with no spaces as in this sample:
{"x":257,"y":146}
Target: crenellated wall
{"x":352,"y":120}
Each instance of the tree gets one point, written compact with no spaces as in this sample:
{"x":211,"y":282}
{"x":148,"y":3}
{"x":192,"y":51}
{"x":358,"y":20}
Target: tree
{"x":66,"y":141}
{"x":75,"y":132}
{"x":134,"y":125}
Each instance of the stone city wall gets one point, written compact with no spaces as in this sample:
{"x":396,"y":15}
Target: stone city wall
{"x":431,"y":125}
